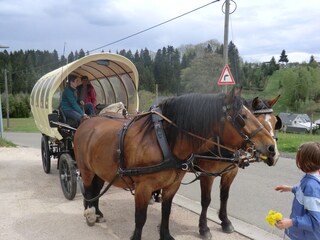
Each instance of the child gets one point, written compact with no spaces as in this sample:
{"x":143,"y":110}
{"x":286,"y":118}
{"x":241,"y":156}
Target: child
{"x":304,"y":221}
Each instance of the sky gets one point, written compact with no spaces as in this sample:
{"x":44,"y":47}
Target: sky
{"x":260,"y":29}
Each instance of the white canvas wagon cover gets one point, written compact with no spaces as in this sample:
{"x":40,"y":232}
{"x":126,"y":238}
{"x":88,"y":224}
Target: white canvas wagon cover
{"x":114,"y":78}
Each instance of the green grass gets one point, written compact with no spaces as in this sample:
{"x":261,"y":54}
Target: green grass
{"x":289,"y":142}
{"x":20,"y":125}
{"x":5,"y":143}
{"x":17,"y":125}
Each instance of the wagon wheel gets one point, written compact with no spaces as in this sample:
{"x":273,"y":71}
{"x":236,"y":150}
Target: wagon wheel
{"x":68,"y":176}
{"x":45,"y":154}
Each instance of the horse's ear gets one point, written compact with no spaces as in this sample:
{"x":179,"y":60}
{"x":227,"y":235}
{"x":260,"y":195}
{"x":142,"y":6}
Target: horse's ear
{"x":255,"y":103}
{"x":273,"y":101}
{"x":230,"y":96}
{"x":237,"y":90}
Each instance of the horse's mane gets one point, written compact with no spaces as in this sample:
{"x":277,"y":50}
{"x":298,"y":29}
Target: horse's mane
{"x":195,"y":113}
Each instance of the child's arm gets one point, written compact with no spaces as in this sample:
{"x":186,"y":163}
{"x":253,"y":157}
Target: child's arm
{"x":283,"y":188}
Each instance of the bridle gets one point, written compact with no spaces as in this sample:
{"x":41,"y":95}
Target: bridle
{"x":239,"y":123}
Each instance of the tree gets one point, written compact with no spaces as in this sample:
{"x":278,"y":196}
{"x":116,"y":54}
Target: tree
{"x":283,"y":57}
{"x":167,"y":69}
{"x":219,"y":50}
{"x":187,"y":57}
{"x":234,"y":62}
{"x":203,"y":74}
{"x":312,"y":62}
{"x":208,"y":49}
{"x":273,"y":66}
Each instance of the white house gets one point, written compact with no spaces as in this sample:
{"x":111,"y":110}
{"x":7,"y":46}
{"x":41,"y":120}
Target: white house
{"x":292,"y":122}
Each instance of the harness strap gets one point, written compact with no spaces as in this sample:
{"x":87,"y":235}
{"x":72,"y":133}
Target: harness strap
{"x":165,"y":165}
{"x":162,"y":140}
{"x":169,"y":161}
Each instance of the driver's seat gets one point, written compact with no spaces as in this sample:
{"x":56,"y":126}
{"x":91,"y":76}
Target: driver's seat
{"x":64,"y":119}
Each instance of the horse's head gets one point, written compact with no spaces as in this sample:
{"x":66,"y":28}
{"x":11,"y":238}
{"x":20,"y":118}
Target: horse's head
{"x":262,"y":109}
{"x":243,"y":130}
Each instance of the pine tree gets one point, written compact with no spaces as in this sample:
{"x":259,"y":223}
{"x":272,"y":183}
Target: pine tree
{"x":234,"y":62}
{"x":283,"y":57}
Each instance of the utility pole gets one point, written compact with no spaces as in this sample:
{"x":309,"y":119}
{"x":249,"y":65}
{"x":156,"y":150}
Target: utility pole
{"x":226,"y":34}
{"x":1,"y":123}
{"x":7,"y":95}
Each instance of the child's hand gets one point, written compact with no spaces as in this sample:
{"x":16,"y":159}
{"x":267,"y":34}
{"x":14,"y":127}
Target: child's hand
{"x":283,"y":188}
{"x":284,"y":223}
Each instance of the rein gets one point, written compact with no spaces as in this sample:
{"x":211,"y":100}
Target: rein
{"x":169,"y":161}
{"x":191,"y":134}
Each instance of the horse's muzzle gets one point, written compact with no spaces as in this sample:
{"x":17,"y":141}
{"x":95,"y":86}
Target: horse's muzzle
{"x":271,"y":156}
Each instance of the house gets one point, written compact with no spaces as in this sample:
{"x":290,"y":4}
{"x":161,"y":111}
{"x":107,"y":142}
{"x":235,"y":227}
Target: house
{"x":293,"y":122}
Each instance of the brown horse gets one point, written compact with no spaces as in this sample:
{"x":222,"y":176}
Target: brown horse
{"x":264,"y":113}
{"x":154,"y":151}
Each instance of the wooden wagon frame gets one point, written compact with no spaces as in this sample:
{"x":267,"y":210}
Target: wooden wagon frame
{"x":114,"y":78}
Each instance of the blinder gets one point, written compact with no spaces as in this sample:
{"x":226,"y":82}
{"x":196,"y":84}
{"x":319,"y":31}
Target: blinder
{"x":279,"y":123}
{"x":239,"y":121}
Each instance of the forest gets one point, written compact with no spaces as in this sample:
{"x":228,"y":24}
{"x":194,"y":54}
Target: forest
{"x":189,"y":68}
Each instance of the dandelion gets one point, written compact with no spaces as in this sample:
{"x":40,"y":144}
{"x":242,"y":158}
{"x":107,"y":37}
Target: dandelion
{"x":273,"y":217}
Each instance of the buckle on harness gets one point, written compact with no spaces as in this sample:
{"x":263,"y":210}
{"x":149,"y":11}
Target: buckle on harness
{"x":184,"y":167}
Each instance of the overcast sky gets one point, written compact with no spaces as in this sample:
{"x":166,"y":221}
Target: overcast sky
{"x":260,"y":29}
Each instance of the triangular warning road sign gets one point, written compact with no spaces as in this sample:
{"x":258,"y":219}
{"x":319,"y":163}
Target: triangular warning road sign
{"x":226,"y":76}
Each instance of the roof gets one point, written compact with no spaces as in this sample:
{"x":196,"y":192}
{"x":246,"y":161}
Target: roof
{"x":114,"y":77}
{"x":297,"y":120}
{"x":287,"y":118}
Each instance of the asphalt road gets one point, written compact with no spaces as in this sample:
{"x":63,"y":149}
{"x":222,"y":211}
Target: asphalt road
{"x":252,"y":194}
{"x":24,"y":139}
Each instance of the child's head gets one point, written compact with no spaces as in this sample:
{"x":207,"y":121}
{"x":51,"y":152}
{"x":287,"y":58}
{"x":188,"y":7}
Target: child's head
{"x":308,"y":157}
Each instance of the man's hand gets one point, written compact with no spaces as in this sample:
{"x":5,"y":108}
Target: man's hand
{"x":85,"y":116}
{"x":82,"y":102}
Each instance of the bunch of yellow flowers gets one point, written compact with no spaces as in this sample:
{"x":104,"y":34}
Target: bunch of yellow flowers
{"x":273,"y":217}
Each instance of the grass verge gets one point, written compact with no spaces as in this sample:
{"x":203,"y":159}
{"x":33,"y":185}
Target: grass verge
{"x":5,"y":143}
{"x":289,"y":142}
{"x":20,"y":125}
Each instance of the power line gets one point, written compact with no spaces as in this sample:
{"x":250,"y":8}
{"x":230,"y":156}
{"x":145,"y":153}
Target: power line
{"x":157,"y":25}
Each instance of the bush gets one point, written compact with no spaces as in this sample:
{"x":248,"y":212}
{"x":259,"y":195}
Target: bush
{"x":19,"y":106}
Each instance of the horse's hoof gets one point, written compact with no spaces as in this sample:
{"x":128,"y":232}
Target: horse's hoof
{"x":167,"y":238}
{"x":206,"y":235}
{"x":100,"y":219}
{"x":90,"y":215}
{"x":227,"y":228}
